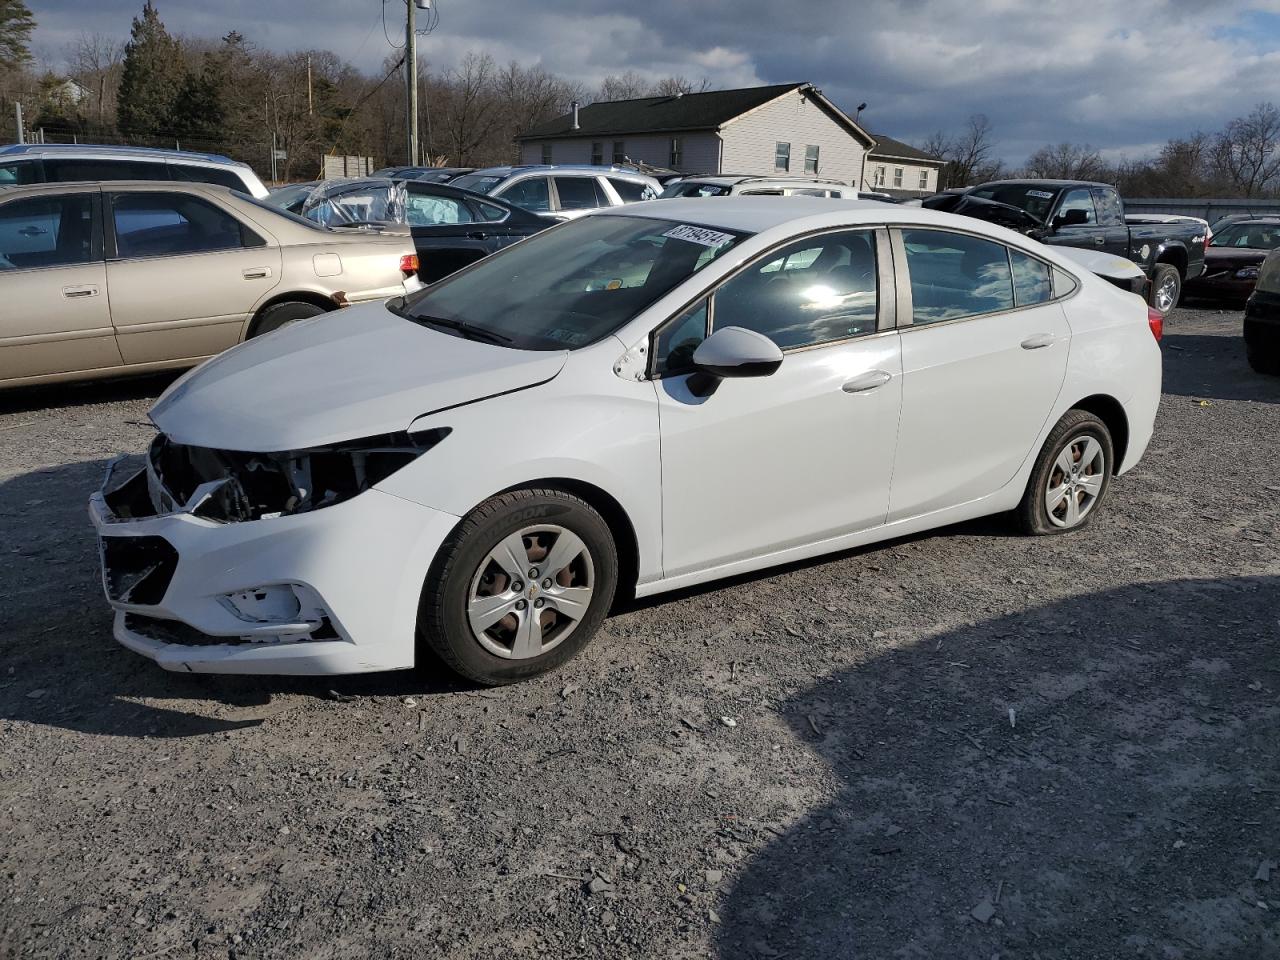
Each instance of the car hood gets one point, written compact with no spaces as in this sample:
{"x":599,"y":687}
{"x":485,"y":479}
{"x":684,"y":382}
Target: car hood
{"x":358,"y":372}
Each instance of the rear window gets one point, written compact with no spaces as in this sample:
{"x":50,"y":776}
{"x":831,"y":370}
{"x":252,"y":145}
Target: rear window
{"x":65,"y":169}
{"x":580,"y":193}
{"x":477,"y":183}
{"x":219,"y":176}
{"x":18,"y":172}
{"x":692,"y":188}
{"x":630,"y":191}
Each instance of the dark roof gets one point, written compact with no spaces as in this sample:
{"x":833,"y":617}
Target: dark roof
{"x":889,"y":147}
{"x":1034,"y":182}
{"x":691,"y":111}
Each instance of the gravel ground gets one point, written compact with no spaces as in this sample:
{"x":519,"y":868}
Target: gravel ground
{"x":965,"y":744}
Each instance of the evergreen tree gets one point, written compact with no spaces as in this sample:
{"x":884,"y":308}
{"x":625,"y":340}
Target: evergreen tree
{"x":151,"y":77}
{"x":198,"y":111}
{"x":16,"y":24}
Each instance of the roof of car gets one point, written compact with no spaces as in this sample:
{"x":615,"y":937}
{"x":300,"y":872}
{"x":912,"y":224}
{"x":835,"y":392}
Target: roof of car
{"x":1033,"y":182}
{"x":571,"y":168}
{"x":100,"y":150}
{"x":732,"y":179}
{"x":756,"y":214}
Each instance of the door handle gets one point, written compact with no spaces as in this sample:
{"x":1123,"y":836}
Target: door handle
{"x":1038,"y":340}
{"x":256,"y":273}
{"x":32,"y":231}
{"x":71,"y":293}
{"x":478,"y":235}
{"x":1099,"y":241}
{"x":865,"y":382}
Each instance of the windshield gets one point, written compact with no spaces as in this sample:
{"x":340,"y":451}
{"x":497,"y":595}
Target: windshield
{"x":1033,"y":199}
{"x":1253,"y":236}
{"x":477,"y":183}
{"x":692,"y":188}
{"x":574,"y":284}
{"x":357,"y":202}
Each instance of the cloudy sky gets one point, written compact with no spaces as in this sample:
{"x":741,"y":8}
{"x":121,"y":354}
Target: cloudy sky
{"x":1122,"y":75}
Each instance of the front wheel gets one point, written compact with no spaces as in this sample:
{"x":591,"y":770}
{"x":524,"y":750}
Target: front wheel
{"x":1071,"y":477}
{"x":1268,"y":364}
{"x":520,"y":587}
{"x":1166,"y":288}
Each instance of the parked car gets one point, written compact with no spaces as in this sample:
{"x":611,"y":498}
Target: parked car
{"x":743,"y":186}
{"x":1080,"y":213}
{"x":101,"y":279}
{"x":641,"y":400}
{"x":22,"y":164}
{"x":1234,"y":257}
{"x":426,"y":174}
{"x":291,"y":196}
{"x":561,"y":192}
{"x":1262,"y":318}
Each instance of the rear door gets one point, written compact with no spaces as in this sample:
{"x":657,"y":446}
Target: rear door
{"x":184,"y":274}
{"x":451,"y":231}
{"x":574,"y":196}
{"x":528,"y":193}
{"x":56,"y":317}
{"x":984,"y":354}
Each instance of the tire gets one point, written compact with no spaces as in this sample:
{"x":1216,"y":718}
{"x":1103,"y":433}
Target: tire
{"x":473,"y":566}
{"x":1166,"y":288}
{"x":1262,"y":363}
{"x":281,"y":314}
{"x":1075,"y":432}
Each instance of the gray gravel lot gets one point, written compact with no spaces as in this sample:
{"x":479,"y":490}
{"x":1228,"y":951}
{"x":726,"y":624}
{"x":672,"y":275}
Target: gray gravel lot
{"x":965,"y":744}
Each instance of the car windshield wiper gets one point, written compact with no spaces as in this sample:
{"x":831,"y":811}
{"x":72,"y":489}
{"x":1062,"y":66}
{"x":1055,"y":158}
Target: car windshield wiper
{"x":468,"y":330}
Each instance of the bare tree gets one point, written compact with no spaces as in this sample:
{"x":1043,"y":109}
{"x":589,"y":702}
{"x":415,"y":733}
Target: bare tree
{"x":625,"y":86}
{"x":677,"y":84}
{"x":1067,"y":161}
{"x":969,"y":153}
{"x":1247,"y":152}
{"x":95,"y":60}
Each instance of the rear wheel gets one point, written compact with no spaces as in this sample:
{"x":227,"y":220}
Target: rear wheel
{"x":520,"y":587}
{"x":1071,"y":477}
{"x":282,"y":314}
{"x":1261,"y":362}
{"x":1166,"y":287}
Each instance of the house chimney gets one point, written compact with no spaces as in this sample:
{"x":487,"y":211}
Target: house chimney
{"x":574,"y":125}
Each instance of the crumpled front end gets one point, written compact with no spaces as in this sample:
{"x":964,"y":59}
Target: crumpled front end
{"x":227,"y":562}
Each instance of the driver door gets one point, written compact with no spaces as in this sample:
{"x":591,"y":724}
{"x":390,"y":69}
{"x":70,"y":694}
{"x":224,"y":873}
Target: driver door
{"x":764,"y":464}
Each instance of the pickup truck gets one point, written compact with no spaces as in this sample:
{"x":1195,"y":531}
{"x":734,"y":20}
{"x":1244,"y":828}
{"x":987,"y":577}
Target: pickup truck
{"x":1078,"y":213}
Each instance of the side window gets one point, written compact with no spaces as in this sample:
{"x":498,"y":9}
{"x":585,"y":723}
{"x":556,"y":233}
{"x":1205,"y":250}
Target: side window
{"x":488,"y":212}
{"x":1079,"y":199}
{"x":782,"y":156}
{"x":630,"y":191}
{"x":61,"y":170}
{"x":214,"y":175}
{"x":1031,"y":282}
{"x":532,"y":194}
{"x":579,"y":193}
{"x":18,"y":173}
{"x":47,"y":232}
{"x":1110,"y":210}
{"x":673,"y":345}
{"x":425,"y":210}
{"x":809,"y":292}
{"x":166,"y":224}
{"x":954,"y":275}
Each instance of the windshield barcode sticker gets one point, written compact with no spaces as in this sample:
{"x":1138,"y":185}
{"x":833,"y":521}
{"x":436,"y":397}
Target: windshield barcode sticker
{"x":699,"y":235}
{"x":1042,"y":194}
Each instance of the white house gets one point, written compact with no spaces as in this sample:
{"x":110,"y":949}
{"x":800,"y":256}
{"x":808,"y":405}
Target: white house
{"x":787,"y":128}
{"x":900,"y":169}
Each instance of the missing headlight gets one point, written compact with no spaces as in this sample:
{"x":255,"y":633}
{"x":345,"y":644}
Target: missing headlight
{"x":232,"y":486}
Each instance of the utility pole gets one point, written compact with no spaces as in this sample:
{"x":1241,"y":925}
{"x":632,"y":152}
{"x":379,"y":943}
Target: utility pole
{"x":310,"y":103}
{"x":411,"y":78}
{"x":22,"y":137}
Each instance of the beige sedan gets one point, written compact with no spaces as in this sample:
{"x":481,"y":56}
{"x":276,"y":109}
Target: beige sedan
{"x":103,"y":279}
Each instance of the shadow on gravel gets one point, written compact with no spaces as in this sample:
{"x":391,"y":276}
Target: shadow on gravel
{"x":60,"y":665}
{"x":1122,"y":808}
{"x":142,"y":387}
{"x":1214,"y":368}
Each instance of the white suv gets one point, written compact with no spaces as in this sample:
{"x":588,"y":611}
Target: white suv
{"x":23,"y":164}
{"x":741,"y":186}
{"x":562,"y":191}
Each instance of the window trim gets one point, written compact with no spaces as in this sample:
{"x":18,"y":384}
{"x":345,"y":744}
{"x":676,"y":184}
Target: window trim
{"x":109,"y":227}
{"x":898,"y":174}
{"x":886,"y":306}
{"x":97,"y":241}
{"x":546,"y":153}
{"x":619,"y":152}
{"x":785,"y":166}
{"x":597,"y":153}
{"x":816,"y":148}
{"x":924,"y":179}
{"x":676,"y":153}
{"x":906,"y":309}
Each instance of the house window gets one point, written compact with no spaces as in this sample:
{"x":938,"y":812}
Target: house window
{"x":924,"y":179}
{"x":897,"y":176}
{"x":546,"y":153}
{"x":879,"y":180}
{"x":782,"y":156}
{"x":597,"y":154}
{"x":677,"y":153}
{"x":619,"y":151}
{"x":811,"y":158}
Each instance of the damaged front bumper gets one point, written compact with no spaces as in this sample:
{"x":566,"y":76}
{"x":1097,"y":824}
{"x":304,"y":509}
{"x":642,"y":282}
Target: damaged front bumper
{"x":331,"y":591}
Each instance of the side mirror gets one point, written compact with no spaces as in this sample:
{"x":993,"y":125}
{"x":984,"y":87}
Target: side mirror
{"x":732,"y":352}
{"x":1072,"y":218}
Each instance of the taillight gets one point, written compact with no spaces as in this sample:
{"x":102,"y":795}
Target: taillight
{"x":1208,"y":237}
{"x":1155,"y":320}
{"x":409,"y":264}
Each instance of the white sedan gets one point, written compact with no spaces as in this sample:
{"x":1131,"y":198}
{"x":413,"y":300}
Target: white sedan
{"x":640,"y":400}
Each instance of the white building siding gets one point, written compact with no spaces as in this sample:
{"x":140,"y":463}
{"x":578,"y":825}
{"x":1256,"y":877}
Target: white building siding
{"x":750,"y":140}
{"x":700,"y":150}
{"x":911,"y":173}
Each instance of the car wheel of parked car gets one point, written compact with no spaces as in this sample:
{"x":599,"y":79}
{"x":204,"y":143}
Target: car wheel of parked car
{"x":1166,"y":287}
{"x":1261,"y":362}
{"x":520,"y":586}
{"x":1071,"y":476}
{"x":281,"y":314}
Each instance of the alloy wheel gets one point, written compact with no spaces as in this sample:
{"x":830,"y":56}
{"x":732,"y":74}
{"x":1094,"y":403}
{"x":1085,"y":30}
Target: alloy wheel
{"x":1166,"y":293}
{"x":531,"y":591}
{"x":1075,"y":482}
